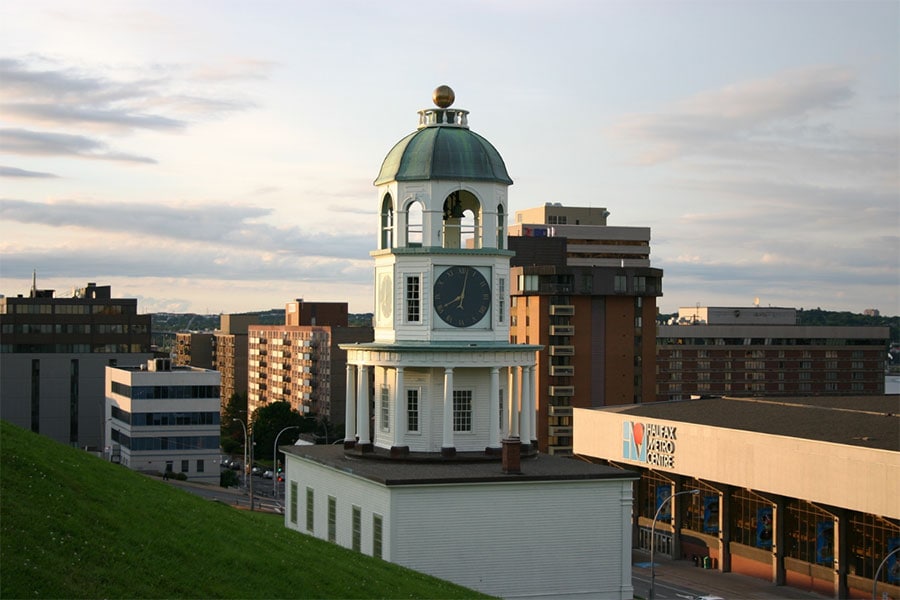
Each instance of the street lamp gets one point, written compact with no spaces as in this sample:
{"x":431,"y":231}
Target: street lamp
{"x":245,"y":448}
{"x":653,"y":535}
{"x":275,"y":459}
{"x":878,"y":571}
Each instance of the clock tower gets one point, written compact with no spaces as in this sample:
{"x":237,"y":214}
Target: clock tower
{"x":441,"y":376}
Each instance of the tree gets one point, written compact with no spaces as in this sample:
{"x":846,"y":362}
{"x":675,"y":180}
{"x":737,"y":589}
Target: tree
{"x":232,"y":433}
{"x":269,"y":420}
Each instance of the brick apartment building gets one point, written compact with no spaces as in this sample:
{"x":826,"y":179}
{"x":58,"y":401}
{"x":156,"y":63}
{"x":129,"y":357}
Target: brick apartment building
{"x":586,"y":292}
{"x":755,"y":351}
{"x":301,"y":362}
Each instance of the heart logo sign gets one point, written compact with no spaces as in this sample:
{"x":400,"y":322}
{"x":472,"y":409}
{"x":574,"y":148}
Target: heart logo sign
{"x":637,"y":434}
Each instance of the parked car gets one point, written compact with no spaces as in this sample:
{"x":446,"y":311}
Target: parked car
{"x":257,"y":470}
{"x":268,"y":474}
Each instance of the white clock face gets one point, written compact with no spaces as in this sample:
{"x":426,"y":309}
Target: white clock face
{"x":385,"y":296}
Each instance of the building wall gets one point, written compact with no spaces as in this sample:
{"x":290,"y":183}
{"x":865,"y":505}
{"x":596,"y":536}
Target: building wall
{"x":769,"y":360}
{"x":467,"y":533}
{"x":195,"y":349}
{"x":851,"y":477}
{"x":52,"y":355}
{"x":156,"y":460}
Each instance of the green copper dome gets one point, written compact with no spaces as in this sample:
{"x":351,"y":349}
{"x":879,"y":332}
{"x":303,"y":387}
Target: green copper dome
{"x":443,"y":152}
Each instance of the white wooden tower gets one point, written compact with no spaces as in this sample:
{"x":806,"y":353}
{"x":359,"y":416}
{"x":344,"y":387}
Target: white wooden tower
{"x":441,"y":376}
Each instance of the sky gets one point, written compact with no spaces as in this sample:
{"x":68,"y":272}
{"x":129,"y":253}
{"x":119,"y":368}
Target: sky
{"x":218,"y":156}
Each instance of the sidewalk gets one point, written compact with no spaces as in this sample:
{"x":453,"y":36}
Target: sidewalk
{"x":710,"y":582}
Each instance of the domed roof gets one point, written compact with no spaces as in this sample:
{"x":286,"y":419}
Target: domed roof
{"x":443,"y":153}
{"x":443,"y":148}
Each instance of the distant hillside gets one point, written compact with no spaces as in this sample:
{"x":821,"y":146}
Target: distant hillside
{"x":165,"y":325}
{"x":75,"y":526}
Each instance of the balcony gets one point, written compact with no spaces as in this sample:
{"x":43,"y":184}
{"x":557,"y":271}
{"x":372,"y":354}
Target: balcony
{"x":562,"y":350}
{"x":562,"y":330}
{"x":562,"y":310}
{"x":562,"y":370}
{"x":560,"y":430}
{"x":559,"y":411}
{"x":562,"y":390}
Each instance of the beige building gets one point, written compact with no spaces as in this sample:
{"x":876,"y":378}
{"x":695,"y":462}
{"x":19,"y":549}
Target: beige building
{"x":800,"y":491}
{"x":231,"y":354}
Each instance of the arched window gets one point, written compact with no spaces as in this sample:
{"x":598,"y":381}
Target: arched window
{"x":387,"y":222}
{"x":462,"y":220}
{"x":414,"y":223}
{"x":501,"y":227}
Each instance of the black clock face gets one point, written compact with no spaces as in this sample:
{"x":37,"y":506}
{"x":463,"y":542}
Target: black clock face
{"x":462,"y":296}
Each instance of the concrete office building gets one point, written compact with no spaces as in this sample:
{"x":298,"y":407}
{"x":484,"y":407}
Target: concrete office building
{"x":301,"y":362}
{"x":586,"y":292}
{"x":757,"y":351}
{"x":161,"y":418}
{"x":800,"y":491}
{"x":439,"y":471}
{"x":53,"y":352}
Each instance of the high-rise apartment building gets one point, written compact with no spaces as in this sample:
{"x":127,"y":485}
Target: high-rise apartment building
{"x":755,"y":351}
{"x":586,"y":292}
{"x":195,"y":349}
{"x":230,"y":354}
{"x":301,"y":362}
{"x":53,"y":353}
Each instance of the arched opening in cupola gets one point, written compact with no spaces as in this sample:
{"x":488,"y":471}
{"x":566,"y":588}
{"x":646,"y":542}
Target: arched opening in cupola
{"x":501,"y":227}
{"x":387,"y":222}
{"x":462,"y":220}
{"x":414,"y":212}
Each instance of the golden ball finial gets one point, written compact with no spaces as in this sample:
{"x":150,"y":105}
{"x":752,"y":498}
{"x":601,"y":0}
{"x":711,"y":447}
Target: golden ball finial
{"x":443,"y":96}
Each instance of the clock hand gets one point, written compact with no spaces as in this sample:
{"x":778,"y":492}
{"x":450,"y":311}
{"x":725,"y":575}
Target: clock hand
{"x":446,"y":304}
{"x":462,"y":292}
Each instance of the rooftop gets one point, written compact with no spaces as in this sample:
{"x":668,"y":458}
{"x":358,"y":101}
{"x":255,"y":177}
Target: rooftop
{"x":867,"y":421}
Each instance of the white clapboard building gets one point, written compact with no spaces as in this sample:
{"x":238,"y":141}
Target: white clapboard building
{"x":439,"y":470}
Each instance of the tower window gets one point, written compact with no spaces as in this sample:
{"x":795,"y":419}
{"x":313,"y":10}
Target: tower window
{"x":413,"y":299}
{"x":501,"y":300}
{"x":385,"y":408}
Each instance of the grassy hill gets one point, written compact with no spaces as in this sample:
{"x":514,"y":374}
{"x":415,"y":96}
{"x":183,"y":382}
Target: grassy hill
{"x":75,"y":526}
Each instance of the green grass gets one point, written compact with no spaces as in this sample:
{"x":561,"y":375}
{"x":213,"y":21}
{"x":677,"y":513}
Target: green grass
{"x":75,"y":526}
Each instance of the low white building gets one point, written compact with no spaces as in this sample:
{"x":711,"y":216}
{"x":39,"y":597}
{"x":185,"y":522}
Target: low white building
{"x":161,"y":418}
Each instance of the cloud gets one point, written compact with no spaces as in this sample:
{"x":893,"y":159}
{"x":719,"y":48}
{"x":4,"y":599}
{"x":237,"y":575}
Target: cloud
{"x":228,"y":225}
{"x":36,"y":143}
{"x":16,"y":172}
{"x":743,"y":120}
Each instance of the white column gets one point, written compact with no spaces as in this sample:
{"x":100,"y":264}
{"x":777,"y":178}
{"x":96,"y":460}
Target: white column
{"x":514,"y":411}
{"x":399,"y":407}
{"x":448,"y":408}
{"x":362,"y":405}
{"x":527,"y":405}
{"x":494,"y":408}
{"x":350,"y":405}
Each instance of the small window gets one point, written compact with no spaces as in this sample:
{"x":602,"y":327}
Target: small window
{"x":377,"y":526}
{"x":185,"y":466}
{"x":462,"y":410}
{"x":412,"y":410}
{"x":332,"y":519}
{"x":501,"y":300}
{"x":413,"y":299}
{"x":620,"y":284}
{"x":385,"y":408}
{"x":310,"y":514}
{"x":357,"y":529}
{"x":294,"y":502}
{"x":200,"y":466}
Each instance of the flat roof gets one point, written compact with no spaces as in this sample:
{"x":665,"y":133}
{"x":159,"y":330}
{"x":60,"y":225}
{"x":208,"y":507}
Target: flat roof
{"x":431,"y":471}
{"x":867,"y":421}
